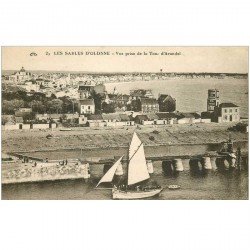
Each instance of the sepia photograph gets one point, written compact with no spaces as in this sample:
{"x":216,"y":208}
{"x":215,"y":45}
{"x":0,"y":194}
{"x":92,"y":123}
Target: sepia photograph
{"x":124,"y":123}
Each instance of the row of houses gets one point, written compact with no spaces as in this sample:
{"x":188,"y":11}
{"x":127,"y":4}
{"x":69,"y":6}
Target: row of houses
{"x":116,"y":119}
{"x":43,"y":121}
{"x":27,"y":126}
{"x":170,"y":118}
{"x":46,"y":121}
{"x":110,"y":120}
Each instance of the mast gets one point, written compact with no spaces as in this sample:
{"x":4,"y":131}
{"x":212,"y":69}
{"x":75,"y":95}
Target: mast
{"x":128,"y":155}
{"x":137,"y":165}
{"x":127,"y":165}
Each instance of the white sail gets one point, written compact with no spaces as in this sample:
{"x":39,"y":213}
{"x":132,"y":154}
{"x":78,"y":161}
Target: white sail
{"x":137,"y":168}
{"x":108,"y":177}
{"x":134,"y":145}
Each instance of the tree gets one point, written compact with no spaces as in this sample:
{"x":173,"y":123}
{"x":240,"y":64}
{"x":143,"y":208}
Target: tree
{"x":97,"y":100}
{"x":37,"y":106}
{"x":53,"y":96}
{"x":39,"y":97}
{"x":54,"y":106}
{"x":5,"y":120}
{"x":108,"y":108}
{"x":29,"y":117}
{"x":135,"y":105}
{"x":68,"y":104}
{"x":17,"y":103}
{"x":9,"y":107}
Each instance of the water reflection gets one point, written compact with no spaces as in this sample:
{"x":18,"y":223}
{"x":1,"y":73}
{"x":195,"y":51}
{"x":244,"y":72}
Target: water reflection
{"x":195,"y":184}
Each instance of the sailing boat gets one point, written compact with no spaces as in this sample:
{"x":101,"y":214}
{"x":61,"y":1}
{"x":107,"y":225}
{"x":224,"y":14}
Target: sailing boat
{"x":137,"y":173}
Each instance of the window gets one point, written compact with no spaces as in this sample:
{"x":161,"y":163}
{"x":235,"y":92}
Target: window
{"x":225,"y":117}
{"x":236,"y":110}
{"x":88,"y":107}
{"x":230,"y":110}
{"x":225,"y":110}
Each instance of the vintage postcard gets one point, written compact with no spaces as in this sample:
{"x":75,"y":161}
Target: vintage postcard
{"x":165,"y":123}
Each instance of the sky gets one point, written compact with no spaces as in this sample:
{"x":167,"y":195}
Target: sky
{"x":127,"y":59}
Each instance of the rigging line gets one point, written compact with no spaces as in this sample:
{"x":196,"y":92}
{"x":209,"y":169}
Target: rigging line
{"x":135,"y":152}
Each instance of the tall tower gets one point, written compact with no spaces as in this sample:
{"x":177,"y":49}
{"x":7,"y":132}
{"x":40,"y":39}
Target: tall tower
{"x":213,"y":99}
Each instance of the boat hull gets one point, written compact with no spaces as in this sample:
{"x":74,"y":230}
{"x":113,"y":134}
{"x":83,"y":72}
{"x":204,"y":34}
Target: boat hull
{"x":134,"y":195}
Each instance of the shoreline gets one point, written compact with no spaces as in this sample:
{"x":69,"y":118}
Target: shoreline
{"x":99,"y":146}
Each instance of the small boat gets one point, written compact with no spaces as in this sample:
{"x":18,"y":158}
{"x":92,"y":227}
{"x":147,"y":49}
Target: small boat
{"x":133,"y":195}
{"x":49,"y":136}
{"x":65,"y":129}
{"x":173,"y":187}
{"x":137,"y":173}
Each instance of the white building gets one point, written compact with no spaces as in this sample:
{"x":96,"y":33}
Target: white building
{"x":31,"y":86}
{"x":21,"y":76}
{"x":86,"y":106}
{"x":227,"y":112}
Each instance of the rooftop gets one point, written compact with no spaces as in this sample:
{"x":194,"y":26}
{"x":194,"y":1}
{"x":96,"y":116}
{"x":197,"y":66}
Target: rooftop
{"x":87,"y":102}
{"x":111,"y":116}
{"x":165,"y":115}
{"x":152,"y":116}
{"x":95,"y":117}
{"x":22,"y":69}
{"x":138,"y":92}
{"x":142,"y":117}
{"x":227,"y":105}
{"x":124,"y":117}
{"x":148,"y":101}
{"x":190,"y":115}
{"x":164,"y":97}
{"x":82,"y":84}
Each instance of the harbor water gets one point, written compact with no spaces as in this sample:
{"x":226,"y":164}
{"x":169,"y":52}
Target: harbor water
{"x":212,"y":185}
{"x":191,"y":94}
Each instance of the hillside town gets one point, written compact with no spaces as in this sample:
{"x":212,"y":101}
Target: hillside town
{"x":51,"y":100}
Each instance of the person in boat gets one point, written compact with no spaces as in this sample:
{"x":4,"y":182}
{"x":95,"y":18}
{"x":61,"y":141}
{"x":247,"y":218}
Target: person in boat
{"x":122,"y":187}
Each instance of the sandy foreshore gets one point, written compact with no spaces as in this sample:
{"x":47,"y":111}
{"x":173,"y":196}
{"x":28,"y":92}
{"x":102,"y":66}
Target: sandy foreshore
{"x":87,"y":138}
